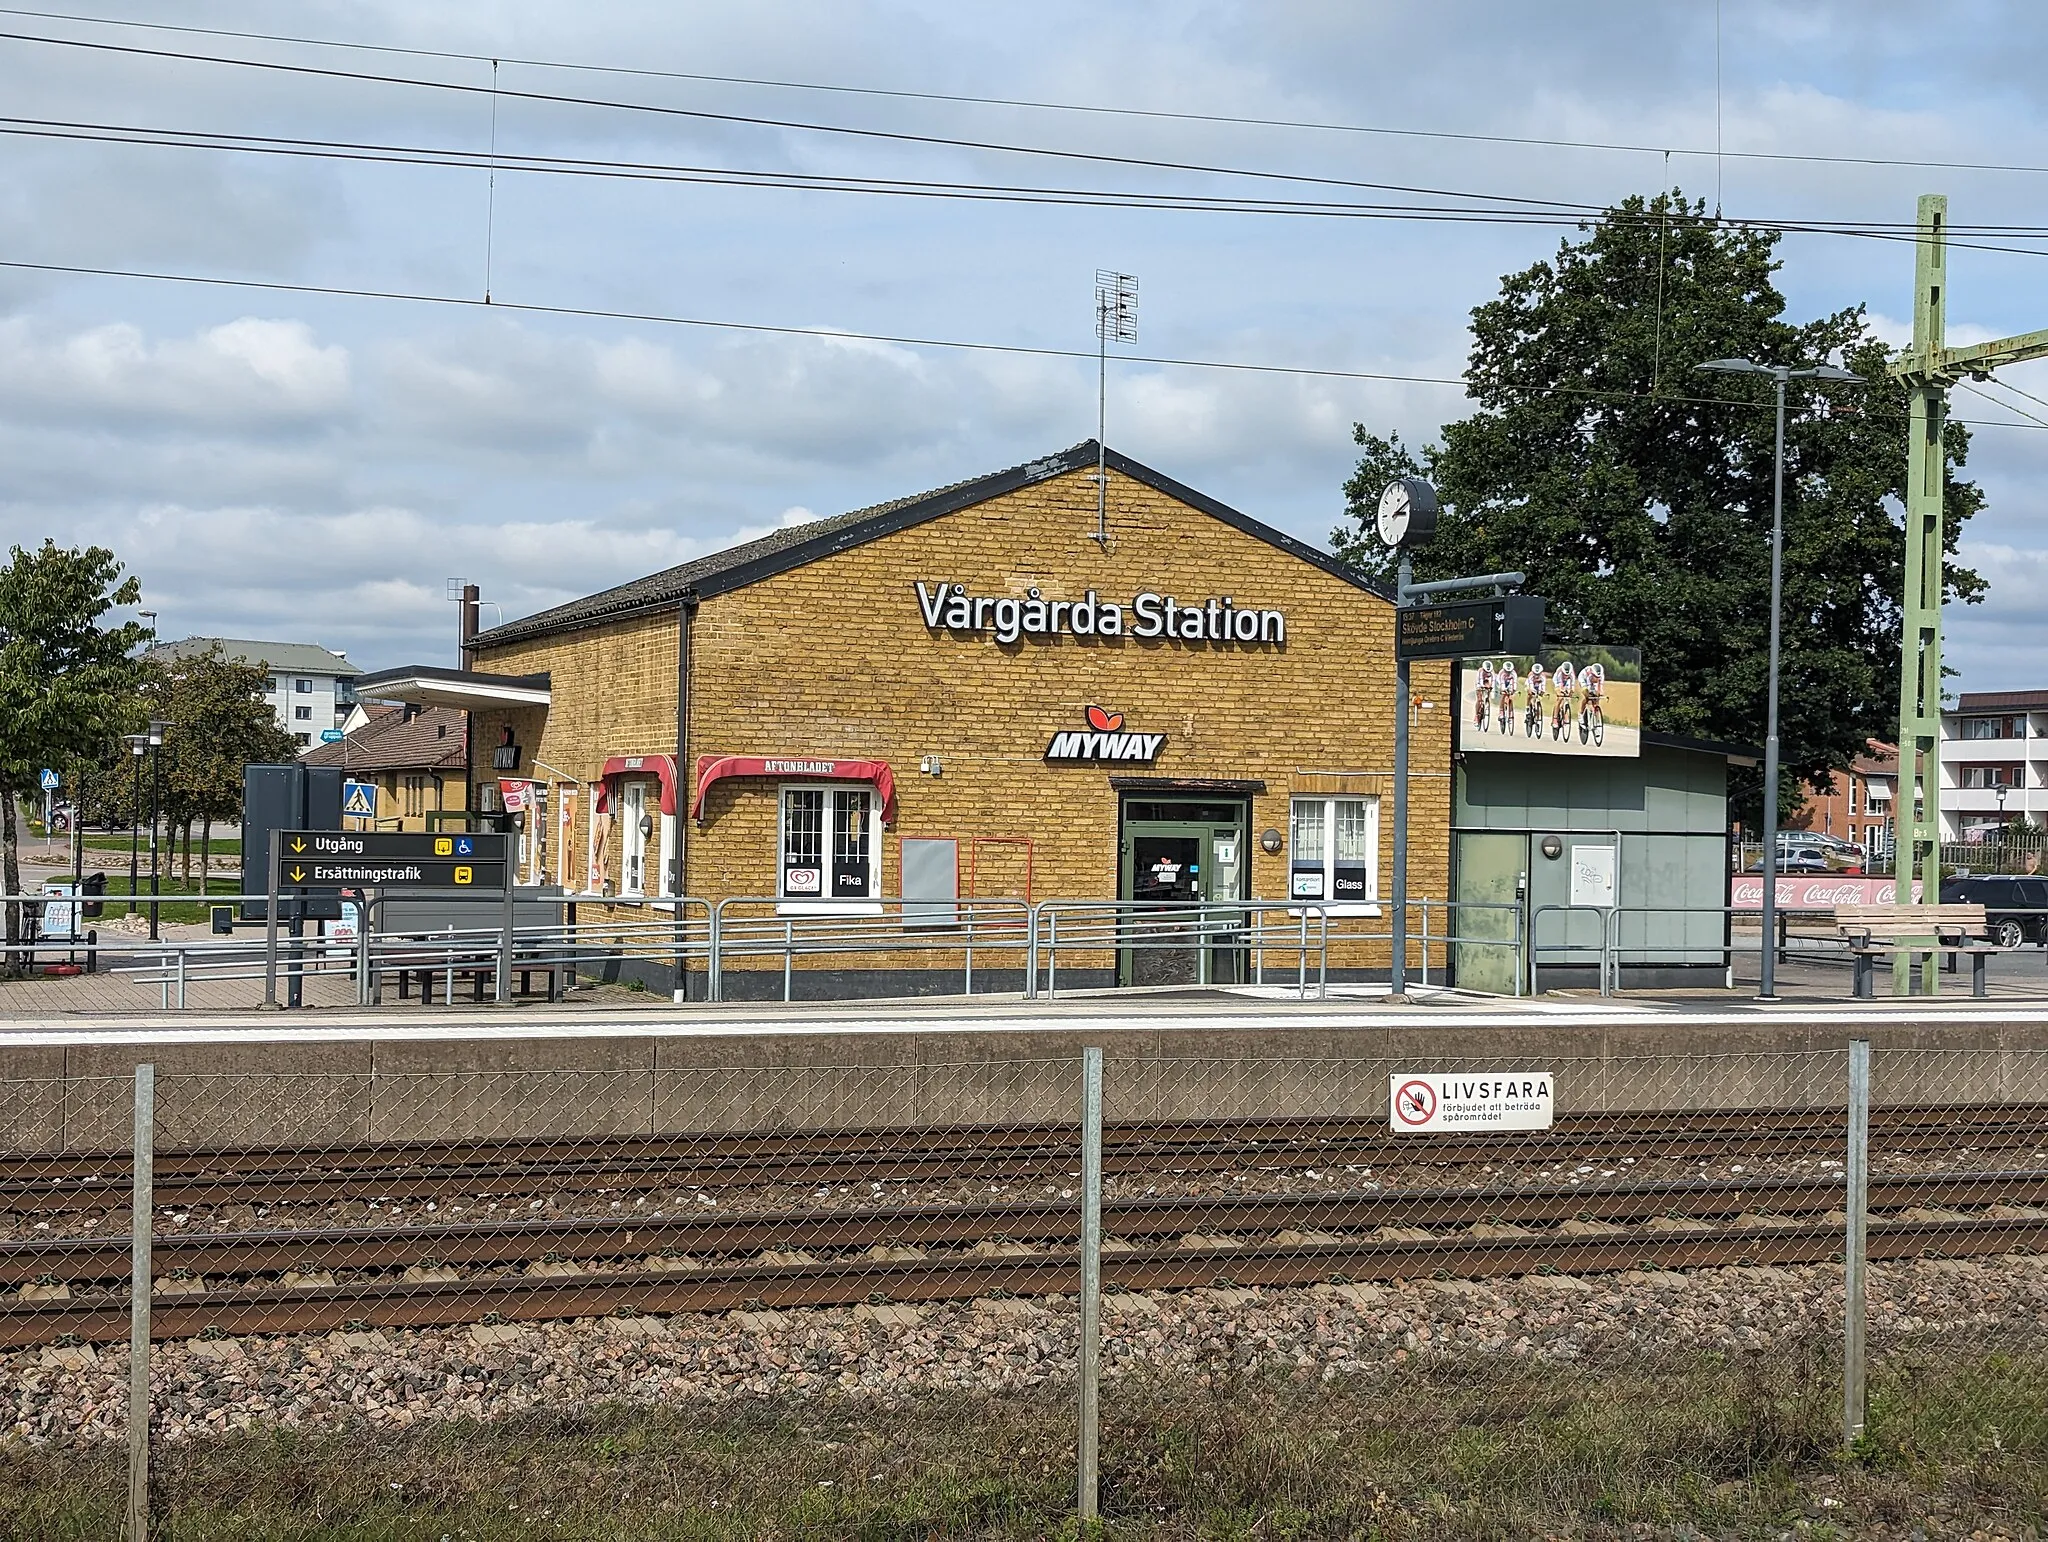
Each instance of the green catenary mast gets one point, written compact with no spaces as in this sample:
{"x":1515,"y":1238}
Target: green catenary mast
{"x":1928,"y":369}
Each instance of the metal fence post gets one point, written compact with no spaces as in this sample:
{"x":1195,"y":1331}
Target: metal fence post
{"x":142,"y":1208}
{"x":1091,"y":1278}
{"x":1030,"y":952}
{"x":1856,"y":1210}
{"x":714,"y":967}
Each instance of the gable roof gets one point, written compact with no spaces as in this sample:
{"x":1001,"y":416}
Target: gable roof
{"x":284,"y":657}
{"x":752,"y":561}
{"x":398,"y":739}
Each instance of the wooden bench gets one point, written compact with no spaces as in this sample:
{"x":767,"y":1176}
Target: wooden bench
{"x":1881,"y":931}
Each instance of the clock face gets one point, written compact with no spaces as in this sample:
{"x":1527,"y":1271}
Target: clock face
{"x":1407,"y":513}
{"x":1396,"y":507}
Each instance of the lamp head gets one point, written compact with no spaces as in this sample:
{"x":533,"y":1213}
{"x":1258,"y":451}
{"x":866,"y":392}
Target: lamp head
{"x":1733,"y":367}
{"x":1832,"y":372}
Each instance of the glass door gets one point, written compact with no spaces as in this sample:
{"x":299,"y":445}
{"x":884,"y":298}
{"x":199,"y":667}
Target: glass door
{"x":1191,"y":865}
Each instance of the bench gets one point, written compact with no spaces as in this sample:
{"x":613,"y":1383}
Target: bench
{"x":480,"y":969}
{"x":1880,"y":931}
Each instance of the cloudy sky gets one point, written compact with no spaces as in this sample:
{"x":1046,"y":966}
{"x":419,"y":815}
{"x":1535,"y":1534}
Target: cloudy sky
{"x":317,"y":466}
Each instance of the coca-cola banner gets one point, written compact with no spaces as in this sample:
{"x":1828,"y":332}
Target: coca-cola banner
{"x":1815,"y":892}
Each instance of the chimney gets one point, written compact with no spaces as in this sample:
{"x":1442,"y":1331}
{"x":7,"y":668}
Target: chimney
{"x":470,"y":606}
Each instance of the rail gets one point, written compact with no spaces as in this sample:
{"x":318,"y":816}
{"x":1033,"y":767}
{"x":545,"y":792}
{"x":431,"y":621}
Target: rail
{"x":442,"y":941}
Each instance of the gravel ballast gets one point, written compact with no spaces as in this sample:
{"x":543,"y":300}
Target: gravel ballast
{"x":394,"y":1378}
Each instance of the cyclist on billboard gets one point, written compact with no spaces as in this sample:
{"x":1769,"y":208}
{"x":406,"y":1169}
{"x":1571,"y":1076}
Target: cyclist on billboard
{"x":1532,"y":714}
{"x":1592,"y":710}
{"x":1566,"y":683}
{"x":1482,"y":695}
{"x":1510,"y":681}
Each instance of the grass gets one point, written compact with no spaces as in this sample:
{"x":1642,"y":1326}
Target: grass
{"x":1681,"y":1446}
{"x":222,"y":847}
{"x":194,"y":910}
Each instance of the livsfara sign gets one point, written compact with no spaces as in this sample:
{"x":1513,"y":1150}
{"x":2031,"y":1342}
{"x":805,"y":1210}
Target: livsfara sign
{"x":949,"y":607}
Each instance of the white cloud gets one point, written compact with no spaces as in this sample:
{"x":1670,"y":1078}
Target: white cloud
{"x":247,"y":372}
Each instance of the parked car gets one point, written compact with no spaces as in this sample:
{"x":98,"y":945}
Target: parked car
{"x":2015,"y":908}
{"x":1799,"y":859}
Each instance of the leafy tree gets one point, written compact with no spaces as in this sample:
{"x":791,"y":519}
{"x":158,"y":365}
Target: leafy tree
{"x":66,"y":678}
{"x":1636,"y":492}
{"x":217,"y":722}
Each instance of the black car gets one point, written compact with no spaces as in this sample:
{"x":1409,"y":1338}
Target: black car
{"x":2016,"y":908}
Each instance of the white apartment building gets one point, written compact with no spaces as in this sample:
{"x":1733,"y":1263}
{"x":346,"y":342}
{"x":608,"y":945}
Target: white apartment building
{"x":1994,"y":762}
{"x":311,"y":688}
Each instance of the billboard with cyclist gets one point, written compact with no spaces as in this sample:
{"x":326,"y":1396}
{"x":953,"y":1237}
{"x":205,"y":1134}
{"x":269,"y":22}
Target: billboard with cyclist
{"x":1586,"y":700}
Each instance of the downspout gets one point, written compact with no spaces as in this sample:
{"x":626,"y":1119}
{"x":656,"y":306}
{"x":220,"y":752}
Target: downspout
{"x":679,"y":858}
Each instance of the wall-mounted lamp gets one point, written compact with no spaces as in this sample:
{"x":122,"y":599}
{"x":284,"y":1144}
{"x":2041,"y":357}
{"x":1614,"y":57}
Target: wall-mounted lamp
{"x":1269,"y":841}
{"x":646,"y":826}
{"x":1551,"y":847}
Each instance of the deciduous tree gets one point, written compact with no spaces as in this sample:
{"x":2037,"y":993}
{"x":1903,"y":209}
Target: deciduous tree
{"x":67,"y":677}
{"x":1635,"y":491}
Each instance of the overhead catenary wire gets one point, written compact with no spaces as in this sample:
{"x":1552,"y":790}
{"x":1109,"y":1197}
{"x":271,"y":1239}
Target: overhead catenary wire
{"x":456,"y":157}
{"x":838,"y":334}
{"x":1717,"y":152}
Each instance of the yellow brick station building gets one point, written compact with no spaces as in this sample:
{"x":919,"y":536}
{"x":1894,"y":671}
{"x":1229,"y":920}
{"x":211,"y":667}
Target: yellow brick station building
{"x":971,"y":695}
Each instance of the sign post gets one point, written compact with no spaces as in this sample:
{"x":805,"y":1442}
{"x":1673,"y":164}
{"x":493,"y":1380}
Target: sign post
{"x":303,"y":861}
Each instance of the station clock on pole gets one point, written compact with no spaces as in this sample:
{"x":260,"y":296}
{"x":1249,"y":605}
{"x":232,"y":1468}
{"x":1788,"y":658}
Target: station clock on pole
{"x":1407,"y":514}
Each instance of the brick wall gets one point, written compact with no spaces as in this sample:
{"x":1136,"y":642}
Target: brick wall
{"x":833,"y":660}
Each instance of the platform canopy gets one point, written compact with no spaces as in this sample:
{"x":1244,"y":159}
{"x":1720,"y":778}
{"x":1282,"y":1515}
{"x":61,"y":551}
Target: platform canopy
{"x":465,"y":688}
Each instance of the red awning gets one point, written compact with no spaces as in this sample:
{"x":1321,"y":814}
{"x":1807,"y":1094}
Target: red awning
{"x":712,"y":768}
{"x":662,"y":767}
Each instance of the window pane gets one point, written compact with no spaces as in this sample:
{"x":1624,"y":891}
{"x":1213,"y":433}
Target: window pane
{"x":1308,"y":830}
{"x":1353,"y":831}
{"x":850,"y":834}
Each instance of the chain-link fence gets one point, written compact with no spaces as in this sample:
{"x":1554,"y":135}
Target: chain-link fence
{"x":1330,"y":1242}
{"x":1958,"y":1244}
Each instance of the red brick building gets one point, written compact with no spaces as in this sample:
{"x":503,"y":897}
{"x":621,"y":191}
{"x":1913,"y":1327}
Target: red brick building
{"x":1858,"y":803}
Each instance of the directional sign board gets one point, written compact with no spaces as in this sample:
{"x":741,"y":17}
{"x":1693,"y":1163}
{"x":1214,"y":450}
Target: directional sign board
{"x":332,"y":736}
{"x":1426,"y":1103}
{"x":1510,"y":623}
{"x":359,"y":799}
{"x":327,"y":859}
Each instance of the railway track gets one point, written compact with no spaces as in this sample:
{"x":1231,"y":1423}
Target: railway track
{"x":412,"y":1170}
{"x":1235,"y":1239}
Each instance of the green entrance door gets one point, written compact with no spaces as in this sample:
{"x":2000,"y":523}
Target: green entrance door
{"x":1183,"y":865}
{"x":1492,"y":871}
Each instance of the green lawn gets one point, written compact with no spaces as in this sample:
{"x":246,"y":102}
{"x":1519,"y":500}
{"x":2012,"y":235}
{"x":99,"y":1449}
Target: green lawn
{"x":1681,"y":1446}
{"x":194,"y":910}
{"x":222,"y":847}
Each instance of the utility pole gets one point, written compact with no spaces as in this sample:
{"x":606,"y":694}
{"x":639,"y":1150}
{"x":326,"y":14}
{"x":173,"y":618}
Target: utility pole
{"x":1928,"y":370}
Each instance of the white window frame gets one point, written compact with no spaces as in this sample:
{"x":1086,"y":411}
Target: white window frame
{"x":630,"y":838}
{"x":1329,"y":802}
{"x":825,"y":905}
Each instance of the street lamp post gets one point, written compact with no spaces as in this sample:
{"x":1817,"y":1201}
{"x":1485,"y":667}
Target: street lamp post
{"x":1767,"y":988}
{"x":138,"y":746}
{"x":156,"y":799}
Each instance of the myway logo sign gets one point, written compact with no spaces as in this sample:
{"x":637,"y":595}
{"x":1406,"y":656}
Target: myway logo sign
{"x":1104,"y":741}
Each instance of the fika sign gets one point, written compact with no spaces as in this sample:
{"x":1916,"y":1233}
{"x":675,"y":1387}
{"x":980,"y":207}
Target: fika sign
{"x":1104,"y":741}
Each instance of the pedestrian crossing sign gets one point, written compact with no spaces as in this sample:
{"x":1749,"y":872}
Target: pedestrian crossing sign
{"x":359,"y":799}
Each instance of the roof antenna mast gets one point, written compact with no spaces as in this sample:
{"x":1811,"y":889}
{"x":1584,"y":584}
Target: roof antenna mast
{"x":1116,"y":316}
